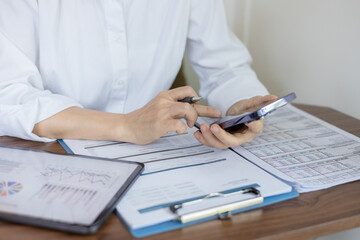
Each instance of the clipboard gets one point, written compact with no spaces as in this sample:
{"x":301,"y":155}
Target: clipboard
{"x":61,"y":191}
{"x":255,"y":201}
{"x":221,"y":212}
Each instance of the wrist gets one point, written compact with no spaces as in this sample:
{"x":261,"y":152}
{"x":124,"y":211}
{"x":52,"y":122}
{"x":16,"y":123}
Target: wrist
{"x":117,"y":128}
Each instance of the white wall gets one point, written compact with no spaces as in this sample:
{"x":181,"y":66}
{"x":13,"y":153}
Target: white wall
{"x":311,"y":47}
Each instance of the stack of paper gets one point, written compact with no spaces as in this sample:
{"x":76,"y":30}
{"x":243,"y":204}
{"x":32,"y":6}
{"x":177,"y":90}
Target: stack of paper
{"x":295,"y":149}
{"x":178,"y":168}
{"x":304,"y":151}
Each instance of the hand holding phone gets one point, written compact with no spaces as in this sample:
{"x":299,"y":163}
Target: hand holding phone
{"x":233,"y":123}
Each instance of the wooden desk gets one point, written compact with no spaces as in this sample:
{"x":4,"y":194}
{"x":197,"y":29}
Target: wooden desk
{"x":309,"y":216}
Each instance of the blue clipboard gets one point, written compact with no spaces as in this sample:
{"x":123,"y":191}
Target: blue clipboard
{"x":172,"y":225}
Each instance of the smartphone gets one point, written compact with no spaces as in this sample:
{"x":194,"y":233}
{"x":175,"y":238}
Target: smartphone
{"x":233,"y":123}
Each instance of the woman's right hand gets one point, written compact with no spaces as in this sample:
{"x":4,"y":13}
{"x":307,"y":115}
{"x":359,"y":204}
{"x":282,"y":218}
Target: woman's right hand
{"x":163,"y":114}
{"x":158,"y":117}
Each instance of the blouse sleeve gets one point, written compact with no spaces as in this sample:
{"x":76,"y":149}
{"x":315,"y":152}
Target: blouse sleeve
{"x":23,"y":98}
{"x":219,"y":58}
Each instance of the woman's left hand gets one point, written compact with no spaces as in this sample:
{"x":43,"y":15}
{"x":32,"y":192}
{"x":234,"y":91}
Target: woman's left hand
{"x":215,"y":136}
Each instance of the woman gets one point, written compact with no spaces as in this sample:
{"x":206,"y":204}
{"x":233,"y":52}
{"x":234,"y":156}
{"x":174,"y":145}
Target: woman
{"x":100,"y":70}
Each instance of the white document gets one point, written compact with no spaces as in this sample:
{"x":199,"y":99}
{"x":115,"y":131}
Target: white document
{"x":304,"y":151}
{"x":148,"y":201}
{"x":62,"y":188}
{"x":169,"y":152}
{"x":178,"y":168}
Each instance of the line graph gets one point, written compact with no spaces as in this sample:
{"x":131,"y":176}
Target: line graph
{"x":78,"y":175}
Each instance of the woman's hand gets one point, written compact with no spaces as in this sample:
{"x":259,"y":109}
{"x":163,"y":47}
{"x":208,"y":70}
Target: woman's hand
{"x":215,"y":136}
{"x":163,"y":114}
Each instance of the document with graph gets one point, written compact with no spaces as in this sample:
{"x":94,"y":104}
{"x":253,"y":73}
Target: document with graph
{"x":60,"y":188}
{"x":304,"y":151}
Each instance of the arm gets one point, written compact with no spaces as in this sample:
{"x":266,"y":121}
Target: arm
{"x":160,"y":116}
{"x":29,"y":111}
{"x":219,"y":58}
{"x":23,"y":99}
{"x":222,"y":63}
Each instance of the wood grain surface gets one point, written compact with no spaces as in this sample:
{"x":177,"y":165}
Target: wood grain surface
{"x":309,"y":216}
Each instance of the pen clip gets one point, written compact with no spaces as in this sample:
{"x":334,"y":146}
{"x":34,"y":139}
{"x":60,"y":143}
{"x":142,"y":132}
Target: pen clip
{"x":190,"y":100}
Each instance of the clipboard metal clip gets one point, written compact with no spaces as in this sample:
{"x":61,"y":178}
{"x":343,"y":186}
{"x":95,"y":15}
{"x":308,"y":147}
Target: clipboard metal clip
{"x":225,"y":215}
{"x":223,"y":212}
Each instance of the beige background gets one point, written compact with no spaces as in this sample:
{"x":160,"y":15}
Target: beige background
{"x":311,"y":47}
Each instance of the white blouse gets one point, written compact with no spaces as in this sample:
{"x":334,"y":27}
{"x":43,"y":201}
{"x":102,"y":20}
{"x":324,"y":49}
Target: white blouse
{"x":113,"y":56}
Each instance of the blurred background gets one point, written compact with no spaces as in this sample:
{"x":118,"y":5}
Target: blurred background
{"x":311,"y":47}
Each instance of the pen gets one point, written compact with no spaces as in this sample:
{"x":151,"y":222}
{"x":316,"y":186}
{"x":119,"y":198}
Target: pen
{"x":190,"y":100}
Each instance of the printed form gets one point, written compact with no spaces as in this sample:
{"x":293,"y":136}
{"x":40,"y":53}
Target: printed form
{"x":169,"y":152}
{"x":178,"y":168}
{"x":304,"y":151}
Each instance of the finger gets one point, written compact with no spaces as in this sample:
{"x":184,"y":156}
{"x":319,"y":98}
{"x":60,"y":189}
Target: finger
{"x":207,"y":111}
{"x":210,"y":138}
{"x":250,"y":104}
{"x":256,"y":126}
{"x":175,"y":125}
{"x":242,"y":105}
{"x":246,"y":137}
{"x":236,"y":139}
{"x":184,"y":110}
{"x":270,"y":97}
{"x":228,"y":139}
{"x":182,"y":92}
{"x":201,"y":138}
{"x":260,"y":100}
